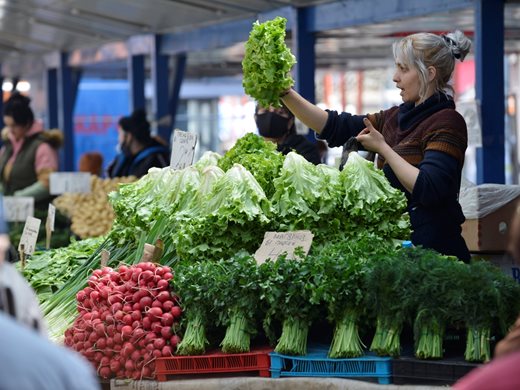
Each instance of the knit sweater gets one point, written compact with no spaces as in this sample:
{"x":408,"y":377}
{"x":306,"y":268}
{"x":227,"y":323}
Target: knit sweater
{"x":432,"y":137}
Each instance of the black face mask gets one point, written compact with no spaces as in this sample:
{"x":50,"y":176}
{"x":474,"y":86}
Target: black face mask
{"x":272,"y":125}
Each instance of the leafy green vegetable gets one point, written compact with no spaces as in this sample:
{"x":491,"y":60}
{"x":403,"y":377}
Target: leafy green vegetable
{"x":371,"y":202}
{"x":258,"y":156}
{"x":267,"y":62}
{"x":286,"y":290}
{"x":47,"y":271}
{"x":235,"y":288}
{"x":190,"y":282}
{"x":236,"y":215}
{"x":389,"y":288}
{"x":340,"y":270}
{"x":437,"y":298}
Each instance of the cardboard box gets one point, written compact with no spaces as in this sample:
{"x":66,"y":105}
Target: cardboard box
{"x":490,"y":233}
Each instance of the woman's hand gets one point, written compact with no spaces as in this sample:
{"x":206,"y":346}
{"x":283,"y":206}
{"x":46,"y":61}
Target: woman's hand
{"x":371,"y":139}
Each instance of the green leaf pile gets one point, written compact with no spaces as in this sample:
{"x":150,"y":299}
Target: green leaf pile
{"x":370,"y":200}
{"x":258,"y":156}
{"x":267,"y":62}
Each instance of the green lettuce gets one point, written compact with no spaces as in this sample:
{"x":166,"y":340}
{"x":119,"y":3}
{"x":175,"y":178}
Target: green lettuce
{"x":267,"y":62}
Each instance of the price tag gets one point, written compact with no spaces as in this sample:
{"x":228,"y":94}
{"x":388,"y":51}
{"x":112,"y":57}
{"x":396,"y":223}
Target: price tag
{"x":51,"y":216}
{"x":18,"y":208}
{"x":277,"y":243}
{"x":105,"y":256}
{"x":183,"y":149}
{"x":29,"y":235}
{"x":61,"y":182}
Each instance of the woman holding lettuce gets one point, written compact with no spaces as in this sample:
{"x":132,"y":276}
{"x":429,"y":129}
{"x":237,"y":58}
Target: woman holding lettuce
{"x":420,"y":144}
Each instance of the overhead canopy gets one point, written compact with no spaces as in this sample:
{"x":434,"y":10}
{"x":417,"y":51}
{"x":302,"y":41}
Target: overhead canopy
{"x":98,"y":33}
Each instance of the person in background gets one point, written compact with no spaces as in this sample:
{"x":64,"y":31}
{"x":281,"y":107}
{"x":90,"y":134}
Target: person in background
{"x":278,"y":125}
{"x":501,"y":372}
{"x":31,"y":362}
{"x":91,"y":162}
{"x":420,"y":143}
{"x":29,"y":154}
{"x":139,"y":150}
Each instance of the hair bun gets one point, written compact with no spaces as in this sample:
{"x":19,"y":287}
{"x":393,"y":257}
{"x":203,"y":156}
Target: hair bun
{"x":139,"y":115}
{"x":19,"y":99}
{"x":458,"y":43}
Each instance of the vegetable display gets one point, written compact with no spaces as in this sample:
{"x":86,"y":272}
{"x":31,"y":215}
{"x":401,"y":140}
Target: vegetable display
{"x":127,"y":318}
{"x":235,"y":291}
{"x":196,"y":302}
{"x":287,"y":289}
{"x":267,"y":62}
{"x":90,"y":213}
{"x":47,"y":271}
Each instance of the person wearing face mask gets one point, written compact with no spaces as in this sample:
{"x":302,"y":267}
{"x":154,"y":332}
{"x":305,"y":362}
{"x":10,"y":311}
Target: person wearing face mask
{"x":277,"y":125}
{"x":29,"y":154}
{"x":420,"y":144}
{"x":139,"y":150}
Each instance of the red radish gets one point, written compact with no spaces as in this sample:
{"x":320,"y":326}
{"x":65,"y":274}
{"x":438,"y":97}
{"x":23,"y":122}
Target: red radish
{"x":175,"y":340}
{"x":176,"y":311}
{"x":104,"y":372}
{"x":167,"y":319}
{"x":163,"y":296}
{"x":167,"y":306}
{"x":154,"y":313}
{"x":157,"y":304}
{"x":126,"y":331}
{"x":166,"y":351}
{"x":166,"y":332}
{"x":115,"y":365}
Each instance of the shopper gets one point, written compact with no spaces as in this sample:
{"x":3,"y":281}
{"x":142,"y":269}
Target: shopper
{"x":31,"y":362}
{"x":278,"y":125}
{"x":29,"y":153}
{"x":139,"y":151}
{"x":502,"y":372}
{"x":420,"y":144}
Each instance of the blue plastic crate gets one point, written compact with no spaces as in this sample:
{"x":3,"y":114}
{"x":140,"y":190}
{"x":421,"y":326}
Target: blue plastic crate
{"x":317,"y":364}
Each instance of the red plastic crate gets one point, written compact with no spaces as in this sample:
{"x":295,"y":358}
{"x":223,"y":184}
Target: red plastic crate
{"x":214,"y":363}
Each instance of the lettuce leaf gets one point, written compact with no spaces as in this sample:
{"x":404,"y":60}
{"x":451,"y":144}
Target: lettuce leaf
{"x":267,"y":62}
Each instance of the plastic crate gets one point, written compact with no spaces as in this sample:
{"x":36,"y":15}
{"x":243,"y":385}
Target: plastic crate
{"x":214,"y":363}
{"x":317,"y":364}
{"x":408,"y":370}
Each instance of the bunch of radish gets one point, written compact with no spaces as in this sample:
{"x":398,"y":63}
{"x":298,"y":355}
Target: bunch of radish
{"x":127,"y":318}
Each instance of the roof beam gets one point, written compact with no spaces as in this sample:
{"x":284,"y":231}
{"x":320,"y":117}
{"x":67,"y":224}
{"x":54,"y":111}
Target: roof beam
{"x":347,"y":13}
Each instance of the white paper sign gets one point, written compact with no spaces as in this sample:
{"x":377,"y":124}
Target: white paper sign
{"x":277,"y":243}
{"x":470,"y":110}
{"x":61,"y":182}
{"x":183,"y":149}
{"x":51,"y":216}
{"x":29,"y":235}
{"x":18,"y":208}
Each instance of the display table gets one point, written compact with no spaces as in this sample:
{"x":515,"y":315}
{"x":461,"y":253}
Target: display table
{"x":258,"y":383}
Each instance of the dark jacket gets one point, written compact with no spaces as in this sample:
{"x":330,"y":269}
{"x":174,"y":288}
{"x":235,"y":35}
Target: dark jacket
{"x":154,"y":155}
{"x":302,"y":146}
{"x":432,"y":137}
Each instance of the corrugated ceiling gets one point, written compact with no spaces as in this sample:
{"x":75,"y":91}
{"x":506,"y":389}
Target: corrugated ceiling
{"x":30,"y":29}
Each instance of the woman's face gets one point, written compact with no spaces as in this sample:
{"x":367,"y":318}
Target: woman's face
{"x":407,"y":80}
{"x":18,"y":131}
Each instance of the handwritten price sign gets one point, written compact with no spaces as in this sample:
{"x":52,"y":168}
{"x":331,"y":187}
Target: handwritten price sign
{"x":278,"y":243}
{"x":29,"y":235}
{"x":62,"y":182}
{"x":18,"y":208}
{"x":183,"y":149}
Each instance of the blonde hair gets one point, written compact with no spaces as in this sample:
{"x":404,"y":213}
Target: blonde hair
{"x":422,"y":50}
